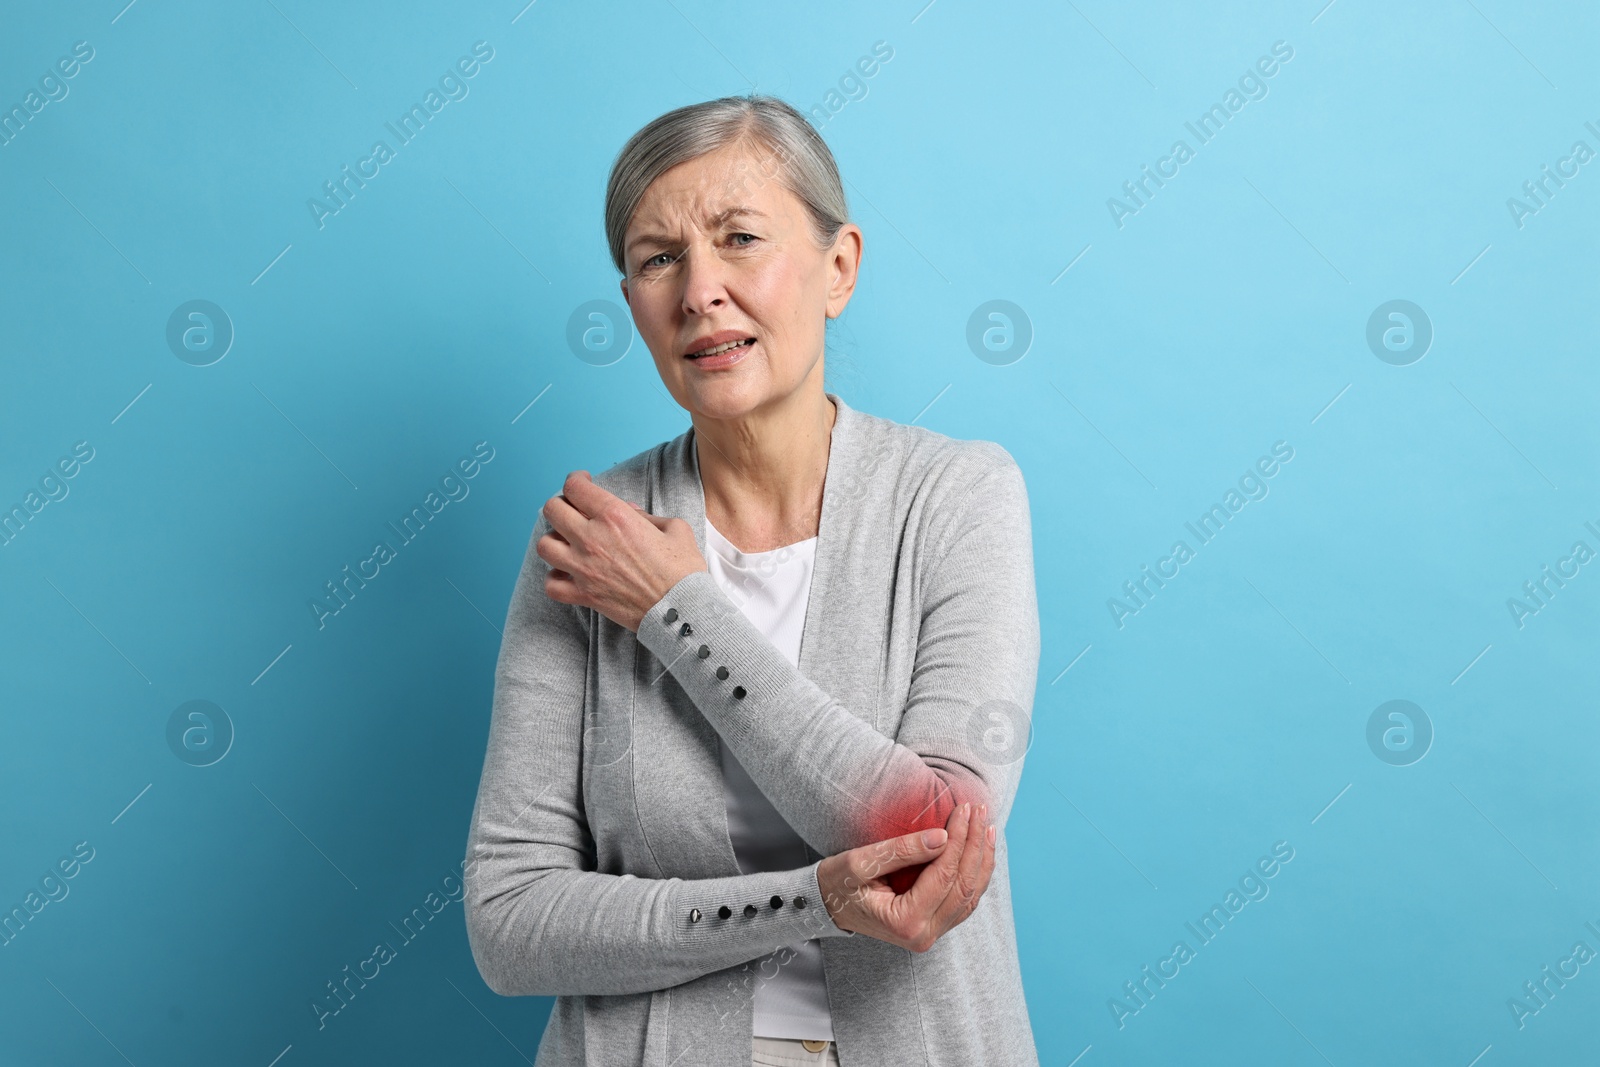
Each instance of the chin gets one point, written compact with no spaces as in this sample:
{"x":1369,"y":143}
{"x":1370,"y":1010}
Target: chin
{"x":726,"y":398}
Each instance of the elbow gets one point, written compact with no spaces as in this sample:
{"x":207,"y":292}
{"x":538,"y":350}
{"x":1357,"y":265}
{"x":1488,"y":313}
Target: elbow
{"x":485,"y":947}
{"x":958,"y":788}
{"x":507,"y":967}
{"x":926,"y":802}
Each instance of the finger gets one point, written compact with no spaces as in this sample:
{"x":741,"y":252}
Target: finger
{"x":972,"y":855}
{"x":991,"y":837}
{"x":886,"y":868}
{"x":933,"y":885}
{"x":564,"y":519}
{"x":582,"y":493}
{"x":985,"y":872}
{"x":557,"y":552}
{"x":885,"y":857}
{"x":562,"y":589}
{"x":963,"y":892}
{"x":658,"y":521}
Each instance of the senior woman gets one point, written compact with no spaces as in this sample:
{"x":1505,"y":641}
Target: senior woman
{"x":765,"y":688}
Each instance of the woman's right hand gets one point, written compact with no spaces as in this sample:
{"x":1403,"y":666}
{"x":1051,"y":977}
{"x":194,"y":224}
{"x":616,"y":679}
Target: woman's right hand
{"x":858,"y":895}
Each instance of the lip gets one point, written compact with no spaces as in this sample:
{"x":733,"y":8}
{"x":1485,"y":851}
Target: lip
{"x":726,"y":359}
{"x":711,"y":340}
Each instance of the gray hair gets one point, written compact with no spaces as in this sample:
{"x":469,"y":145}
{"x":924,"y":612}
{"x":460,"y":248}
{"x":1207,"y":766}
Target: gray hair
{"x":805,"y":166}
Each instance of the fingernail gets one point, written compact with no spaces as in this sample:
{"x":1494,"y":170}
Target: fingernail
{"x":991,"y":834}
{"x":983,"y":811}
{"x":933,"y":838}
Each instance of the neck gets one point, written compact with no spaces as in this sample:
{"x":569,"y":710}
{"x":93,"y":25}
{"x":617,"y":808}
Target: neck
{"x":763,"y":473}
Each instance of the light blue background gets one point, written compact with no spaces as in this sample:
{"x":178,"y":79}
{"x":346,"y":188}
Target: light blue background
{"x":429,"y":313}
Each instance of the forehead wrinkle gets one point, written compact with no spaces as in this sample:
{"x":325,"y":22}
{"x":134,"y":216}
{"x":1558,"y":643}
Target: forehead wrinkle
{"x":712,"y":175}
{"x":719,"y":173}
{"x":711,"y":220}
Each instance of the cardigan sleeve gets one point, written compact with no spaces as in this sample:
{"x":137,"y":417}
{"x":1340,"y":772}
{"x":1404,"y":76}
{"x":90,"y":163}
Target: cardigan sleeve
{"x":836,"y":779}
{"x":541,"y":921}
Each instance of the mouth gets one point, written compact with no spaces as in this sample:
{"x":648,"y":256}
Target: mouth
{"x":721,"y":354}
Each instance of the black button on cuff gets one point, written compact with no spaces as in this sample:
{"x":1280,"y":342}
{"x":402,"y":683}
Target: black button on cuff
{"x":738,"y":692}
{"x":749,"y":910}
{"x":722,"y":673}
{"x":705,"y":650}
{"x":671,"y":616}
{"x":777,"y":902}
{"x":685,"y":630}
{"x":694,"y":915}
{"x":799,"y":902}
{"x":724,"y":911}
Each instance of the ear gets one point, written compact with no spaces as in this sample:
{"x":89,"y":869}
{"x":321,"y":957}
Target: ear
{"x":846,"y":261}
{"x":624,"y":283}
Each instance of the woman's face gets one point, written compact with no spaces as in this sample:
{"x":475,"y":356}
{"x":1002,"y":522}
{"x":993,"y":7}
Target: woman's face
{"x":719,"y":250}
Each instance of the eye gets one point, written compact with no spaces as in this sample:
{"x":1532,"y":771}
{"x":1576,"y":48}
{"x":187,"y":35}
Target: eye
{"x":752,"y":237}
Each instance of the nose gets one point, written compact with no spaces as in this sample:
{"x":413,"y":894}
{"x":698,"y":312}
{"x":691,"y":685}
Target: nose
{"x":704,"y":282}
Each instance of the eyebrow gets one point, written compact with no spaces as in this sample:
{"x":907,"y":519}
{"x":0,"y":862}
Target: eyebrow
{"x":716,"y":220}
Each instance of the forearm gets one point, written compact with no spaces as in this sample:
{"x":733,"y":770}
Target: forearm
{"x":570,"y":932}
{"x":837,"y":780}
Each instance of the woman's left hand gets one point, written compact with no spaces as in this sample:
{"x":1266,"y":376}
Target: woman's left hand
{"x":610,"y":554}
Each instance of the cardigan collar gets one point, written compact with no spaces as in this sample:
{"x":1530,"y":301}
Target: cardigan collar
{"x":683,"y":495}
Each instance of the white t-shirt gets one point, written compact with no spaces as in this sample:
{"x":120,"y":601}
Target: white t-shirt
{"x":772,"y":589}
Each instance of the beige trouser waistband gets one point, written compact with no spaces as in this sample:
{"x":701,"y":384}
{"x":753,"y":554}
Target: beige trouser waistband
{"x":788,"y":1050}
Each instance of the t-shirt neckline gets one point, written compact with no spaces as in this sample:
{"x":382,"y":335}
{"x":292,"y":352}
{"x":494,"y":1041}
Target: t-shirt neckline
{"x":741,"y":554}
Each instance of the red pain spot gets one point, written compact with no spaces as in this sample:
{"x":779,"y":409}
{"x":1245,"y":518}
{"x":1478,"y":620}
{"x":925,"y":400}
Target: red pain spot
{"x":909,"y":813}
{"x":902,"y":880}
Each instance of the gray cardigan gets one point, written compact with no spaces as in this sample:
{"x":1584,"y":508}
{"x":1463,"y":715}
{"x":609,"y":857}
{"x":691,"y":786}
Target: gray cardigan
{"x":599,"y":868}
